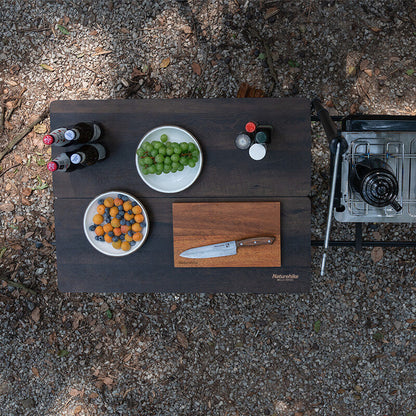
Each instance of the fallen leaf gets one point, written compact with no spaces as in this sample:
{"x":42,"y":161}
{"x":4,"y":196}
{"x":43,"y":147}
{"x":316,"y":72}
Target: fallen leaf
{"x":19,"y":218}
{"x":35,"y":314}
{"x":412,"y":359}
{"x":196,"y":68}
{"x":93,"y":395}
{"x":187,"y":29}
{"x":40,"y":128}
{"x":173,"y":307}
{"x":108,"y":381}
{"x":352,"y":71}
{"x":364,"y":64}
{"x":101,"y":51}
{"x":52,"y":338}
{"x":165,"y":62}
{"x":93,"y":33}
{"x":47,"y":67}
{"x":180,"y":336}
{"x":270,"y":12}
{"x":375,"y":29}
{"x":137,"y":73}
{"x":74,"y":392}
{"x":63,"y":29}
{"x":29,"y":234}
{"x":124,"y":30}
{"x":66,"y":20}
{"x":7,"y":207}
{"x":35,"y":371}
{"x":77,"y":410}
{"x":26,"y":202}
{"x":317,"y":326}
{"x":369,"y":72}
{"x":158,"y":87}
{"x":377,"y":254}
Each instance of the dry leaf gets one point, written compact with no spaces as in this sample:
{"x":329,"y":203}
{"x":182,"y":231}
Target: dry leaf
{"x":137,"y":73}
{"x":124,"y":30}
{"x":35,"y":371}
{"x":173,"y":307}
{"x":93,"y":33}
{"x":369,"y":72}
{"x":7,"y":207}
{"x":364,"y":64}
{"x":77,"y":410}
{"x":19,"y":218}
{"x":101,"y":51}
{"x":187,"y":29}
{"x":108,"y":381}
{"x":26,"y":191}
{"x":65,"y":20}
{"x":26,"y":202}
{"x":127,"y":357}
{"x":412,"y":359}
{"x":377,"y":254}
{"x":52,"y":338}
{"x":182,"y":339}
{"x":47,"y":67}
{"x":93,"y":395}
{"x":40,"y":128}
{"x":352,"y":71}
{"x":74,"y":392}
{"x":35,"y":314}
{"x":158,"y":87}
{"x":29,"y":234}
{"x":165,"y":63}
{"x":375,"y":29}
{"x":196,"y":68}
{"x":272,"y":11}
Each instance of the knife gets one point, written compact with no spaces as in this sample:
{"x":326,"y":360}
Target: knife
{"x":229,"y":248}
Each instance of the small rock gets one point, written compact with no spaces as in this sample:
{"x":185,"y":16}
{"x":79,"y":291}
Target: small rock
{"x":28,"y":403}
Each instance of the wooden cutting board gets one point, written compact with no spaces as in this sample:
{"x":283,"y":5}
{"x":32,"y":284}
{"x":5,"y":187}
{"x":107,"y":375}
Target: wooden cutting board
{"x":202,"y":223}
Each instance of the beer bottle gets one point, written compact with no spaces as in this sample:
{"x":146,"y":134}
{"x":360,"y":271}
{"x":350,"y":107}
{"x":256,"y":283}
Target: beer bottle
{"x":83,"y":132}
{"x":62,"y":163}
{"x":88,"y":154}
{"x":56,"y":138}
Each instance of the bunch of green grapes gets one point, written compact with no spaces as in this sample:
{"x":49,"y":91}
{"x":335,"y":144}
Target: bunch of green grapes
{"x":162,"y":156}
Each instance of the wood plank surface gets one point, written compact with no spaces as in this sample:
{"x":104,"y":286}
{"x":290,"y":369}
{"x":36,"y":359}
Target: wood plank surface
{"x":81,"y":268}
{"x":227,"y":171}
{"x":203,"y":223}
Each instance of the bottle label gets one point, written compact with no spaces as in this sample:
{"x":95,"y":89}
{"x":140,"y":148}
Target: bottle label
{"x":97,"y":133}
{"x":100,"y":149}
{"x":63,"y":161}
{"x":59,"y":137}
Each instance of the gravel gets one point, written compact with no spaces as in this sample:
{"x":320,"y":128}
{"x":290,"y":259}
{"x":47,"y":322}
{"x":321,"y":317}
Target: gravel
{"x":346,"y":348}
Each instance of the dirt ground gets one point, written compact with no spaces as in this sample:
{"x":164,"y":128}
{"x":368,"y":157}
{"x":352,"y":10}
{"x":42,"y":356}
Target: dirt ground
{"x":346,"y":348}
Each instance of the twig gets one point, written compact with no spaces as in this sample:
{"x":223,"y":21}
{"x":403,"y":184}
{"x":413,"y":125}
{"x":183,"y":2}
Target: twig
{"x":17,"y":105}
{"x":18,"y":285}
{"x":269,"y":58}
{"x":11,"y":167}
{"x":24,"y":133}
{"x":2,"y":111}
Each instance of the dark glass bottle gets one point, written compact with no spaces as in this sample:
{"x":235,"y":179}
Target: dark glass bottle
{"x":88,"y":154}
{"x":62,"y":163}
{"x":56,"y":138}
{"x":83,"y":132}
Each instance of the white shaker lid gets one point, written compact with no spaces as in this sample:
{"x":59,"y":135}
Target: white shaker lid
{"x":257,"y":151}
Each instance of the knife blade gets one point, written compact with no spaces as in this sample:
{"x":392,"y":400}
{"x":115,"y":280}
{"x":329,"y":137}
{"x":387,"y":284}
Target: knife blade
{"x":228,"y":248}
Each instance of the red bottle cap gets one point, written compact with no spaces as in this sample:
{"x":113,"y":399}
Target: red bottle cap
{"x":52,"y":166}
{"x":251,"y":127}
{"x":48,"y":139}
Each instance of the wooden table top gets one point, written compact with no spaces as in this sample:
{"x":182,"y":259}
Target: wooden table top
{"x":228,"y":174}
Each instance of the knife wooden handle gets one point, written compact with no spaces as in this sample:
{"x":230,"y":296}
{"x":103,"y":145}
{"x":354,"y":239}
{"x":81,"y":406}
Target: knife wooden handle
{"x":259,"y":241}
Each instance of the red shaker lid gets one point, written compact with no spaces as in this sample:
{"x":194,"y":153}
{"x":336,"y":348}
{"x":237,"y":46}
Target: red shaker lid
{"x":48,"y":139}
{"x":52,"y":166}
{"x":251,"y":127}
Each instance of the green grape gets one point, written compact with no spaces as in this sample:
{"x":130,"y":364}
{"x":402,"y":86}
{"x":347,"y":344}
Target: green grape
{"x":140,"y":151}
{"x":175,"y":157}
{"x":156,"y":145}
{"x":167,"y":161}
{"x":177,"y":149}
{"x":183,"y":161}
{"x":195,"y":159}
{"x":159,"y":167}
{"x":162,"y":150}
{"x":141,"y":162}
{"x":166,"y":169}
{"x":175,"y":165}
{"x":159,"y":158}
{"x":148,"y":160}
{"x":145,"y":171}
{"x":151,"y":169}
{"x":184,"y":147}
{"x":191,"y":163}
{"x":195,"y":153}
{"x":169,"y":150}
{"x":191,"y":147}
{"x":154,"y":152}
{"x":180,"y":167}
{"x":173,"y":170}
{"x":164,"y":138}
{"x":159,"y":172}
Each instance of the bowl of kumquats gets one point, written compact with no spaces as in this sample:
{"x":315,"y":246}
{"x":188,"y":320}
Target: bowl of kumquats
{"x":116,"y":223}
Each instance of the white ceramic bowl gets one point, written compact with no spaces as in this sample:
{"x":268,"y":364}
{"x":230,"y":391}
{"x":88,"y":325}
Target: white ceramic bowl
{"x":171,"y":182}
{"x":103,"y":246}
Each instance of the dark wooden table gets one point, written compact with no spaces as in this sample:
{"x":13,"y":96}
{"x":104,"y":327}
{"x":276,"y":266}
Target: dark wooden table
{"x":228,"y":175}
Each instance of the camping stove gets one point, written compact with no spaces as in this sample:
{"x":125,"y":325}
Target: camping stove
{"x":373,"y":169}
{"x":397,"y":149}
